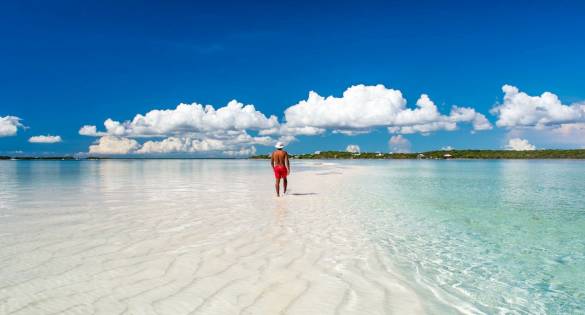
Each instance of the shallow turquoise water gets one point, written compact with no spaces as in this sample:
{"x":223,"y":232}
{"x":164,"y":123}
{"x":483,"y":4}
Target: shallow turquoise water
{"x":505,"y":236}
{"x":492,"y":236}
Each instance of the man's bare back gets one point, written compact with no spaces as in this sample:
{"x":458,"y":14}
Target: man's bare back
{"x":281,"y":166}
{"x":279,"y":157}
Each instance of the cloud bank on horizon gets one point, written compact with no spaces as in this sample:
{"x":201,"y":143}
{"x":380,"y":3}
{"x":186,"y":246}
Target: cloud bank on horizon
{"x":353,"y":148}
{"x":191,"y":128}
{"x":399,"y":144}
{"x":188,"y":128}
{"x":517,"y":144}
{"x":544,"y":117}
{"x":236,"y":129}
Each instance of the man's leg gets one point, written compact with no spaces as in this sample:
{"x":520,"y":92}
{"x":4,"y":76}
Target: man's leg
{"x":277,"y":185}
{"x":285,"y":183}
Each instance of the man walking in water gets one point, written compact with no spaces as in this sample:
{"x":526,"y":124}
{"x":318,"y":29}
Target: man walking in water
{"x":281,"y":166}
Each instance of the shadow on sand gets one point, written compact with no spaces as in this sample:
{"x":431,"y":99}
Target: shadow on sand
{"x":302,"y":194}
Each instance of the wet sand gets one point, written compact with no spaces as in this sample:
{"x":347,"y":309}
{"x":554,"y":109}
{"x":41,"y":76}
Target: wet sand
{"x":128,"y":244}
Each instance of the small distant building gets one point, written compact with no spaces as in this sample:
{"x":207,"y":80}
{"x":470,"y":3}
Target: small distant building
{"x":379,"y":154}
{"x":447,"y":156}
{"x":421,"y":156}
{"x":317,"y":152}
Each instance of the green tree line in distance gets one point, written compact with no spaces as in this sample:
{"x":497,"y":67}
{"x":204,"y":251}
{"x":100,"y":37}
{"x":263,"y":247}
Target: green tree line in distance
{"x":454,"y":154}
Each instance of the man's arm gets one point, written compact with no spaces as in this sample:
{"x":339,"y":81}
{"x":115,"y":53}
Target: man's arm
{"x":272,"y":160}
{"x":287,"y":163}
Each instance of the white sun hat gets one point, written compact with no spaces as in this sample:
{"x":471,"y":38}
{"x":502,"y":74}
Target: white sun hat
{"x":279,"y":145}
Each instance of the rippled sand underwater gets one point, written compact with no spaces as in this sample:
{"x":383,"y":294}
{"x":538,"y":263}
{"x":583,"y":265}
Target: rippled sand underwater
{"x":210,"y":237}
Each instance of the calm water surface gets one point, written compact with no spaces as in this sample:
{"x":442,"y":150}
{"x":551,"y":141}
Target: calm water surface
{"x":497,"y":236}
{"x":507,"y":236}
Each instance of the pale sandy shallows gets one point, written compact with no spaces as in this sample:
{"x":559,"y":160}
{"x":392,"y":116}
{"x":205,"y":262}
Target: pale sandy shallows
{"x":126,"y":243}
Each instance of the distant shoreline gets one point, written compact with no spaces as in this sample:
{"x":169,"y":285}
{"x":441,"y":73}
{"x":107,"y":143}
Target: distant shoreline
{"x":443,"y":155}
{"x":70,"y":158}
{"x":342,"y":155}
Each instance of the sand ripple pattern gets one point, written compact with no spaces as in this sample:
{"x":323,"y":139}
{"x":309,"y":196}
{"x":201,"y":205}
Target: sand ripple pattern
{"x":188,"y":237}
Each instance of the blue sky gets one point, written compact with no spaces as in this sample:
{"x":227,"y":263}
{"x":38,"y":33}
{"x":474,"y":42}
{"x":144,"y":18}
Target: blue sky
{"x":66,"y":64}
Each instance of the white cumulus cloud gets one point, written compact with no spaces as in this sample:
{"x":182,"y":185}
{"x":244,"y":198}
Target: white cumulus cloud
{"x":353,"y":148}
{"x":517,"y":144}
{"x":188,"y":128}
{"x":563,"y":136}
{"x":287,"y":130}
{"x":350,"y":132}
{"x":204,"y":128}
{"x":9,"y":125}
{"x":522,"y":110}
{"x":45,"y":139}
{"x":187,"y":118}
{"x":443,"y":122}
{"x":362,"y":108}
{"x":233,"y":143}
{"x":571,"y":129}
{"x":242,"y":152}
{"x":286,"y":140}
{"x":184,"y":144}
{"x":114,"y":145}
{"x":91,"y":131}
{"x":359,"y":107}
{"x":227,"y":142}
{"x":399,"y":144}
{"x":572,"y":134}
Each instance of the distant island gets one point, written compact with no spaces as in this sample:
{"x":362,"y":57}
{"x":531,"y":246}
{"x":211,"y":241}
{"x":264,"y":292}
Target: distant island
{"x":441,"y":155}
{"x":48,"y":158}
{"x":344,"y":155}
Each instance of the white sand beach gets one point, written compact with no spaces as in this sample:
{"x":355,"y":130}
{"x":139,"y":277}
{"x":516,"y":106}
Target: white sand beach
{"x":351,"y":237}
{"x":194,"y":241}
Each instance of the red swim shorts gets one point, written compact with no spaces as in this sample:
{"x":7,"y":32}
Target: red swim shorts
{"x":280,"y":171}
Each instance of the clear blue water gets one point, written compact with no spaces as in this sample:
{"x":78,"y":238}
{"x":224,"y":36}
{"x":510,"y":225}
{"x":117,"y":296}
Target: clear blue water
{"x":505,"y":236}
{"x":497,"y":236}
